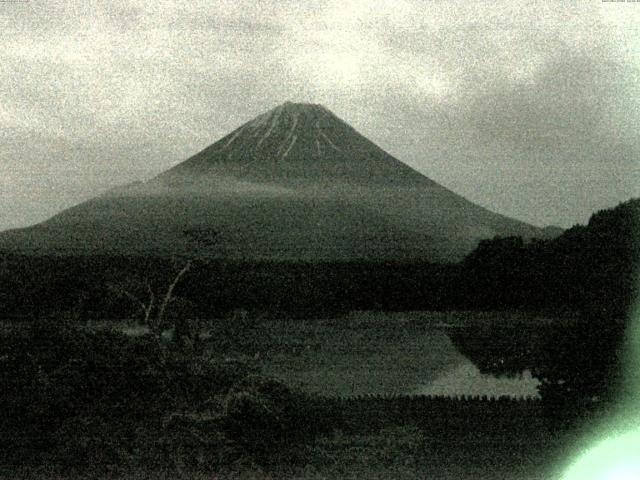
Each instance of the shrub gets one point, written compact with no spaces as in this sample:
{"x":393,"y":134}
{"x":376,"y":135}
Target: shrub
{"x":190,"y":379}
{"x":72,"y":396}
{"x":196,"y":441}
{"x":265,"y":417}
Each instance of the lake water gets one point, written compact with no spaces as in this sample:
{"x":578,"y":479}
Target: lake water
{"x":380,"y":355}
{"x":466,"y":379}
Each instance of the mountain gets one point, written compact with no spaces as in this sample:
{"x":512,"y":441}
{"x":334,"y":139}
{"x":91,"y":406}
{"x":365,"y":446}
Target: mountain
{"x":295,"y":183}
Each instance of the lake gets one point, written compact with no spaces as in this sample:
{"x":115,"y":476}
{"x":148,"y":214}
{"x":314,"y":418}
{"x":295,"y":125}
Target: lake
{"x":381,"y":354}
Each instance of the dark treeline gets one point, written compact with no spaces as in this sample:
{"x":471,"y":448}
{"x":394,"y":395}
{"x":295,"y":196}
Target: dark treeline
{"x":591,"y":269}
{"x":83,"y":285}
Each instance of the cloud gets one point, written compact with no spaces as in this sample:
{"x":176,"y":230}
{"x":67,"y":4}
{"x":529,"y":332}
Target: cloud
{"x":571,"y":101}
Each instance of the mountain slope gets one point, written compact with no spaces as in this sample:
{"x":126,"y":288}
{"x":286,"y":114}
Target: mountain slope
{"x":294,"y":183}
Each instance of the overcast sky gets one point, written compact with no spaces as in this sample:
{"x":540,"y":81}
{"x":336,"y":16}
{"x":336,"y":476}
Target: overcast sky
{"x":530,"y":109}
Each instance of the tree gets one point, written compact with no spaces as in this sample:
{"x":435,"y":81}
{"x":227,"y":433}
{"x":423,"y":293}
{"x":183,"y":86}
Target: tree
{"x":152,"y":302}
{"x":576,"y":361}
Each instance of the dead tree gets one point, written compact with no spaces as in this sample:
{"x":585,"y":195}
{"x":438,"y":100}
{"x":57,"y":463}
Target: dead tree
{"x":168,"y":297}
{"x":153,"y":305}
{"x":153,"y":311}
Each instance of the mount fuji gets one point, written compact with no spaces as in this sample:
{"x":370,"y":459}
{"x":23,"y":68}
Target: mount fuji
{"x":295,"y":183}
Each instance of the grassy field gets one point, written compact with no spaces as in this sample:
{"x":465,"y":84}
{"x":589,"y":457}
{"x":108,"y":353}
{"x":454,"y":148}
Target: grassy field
{"x":399,"y":453}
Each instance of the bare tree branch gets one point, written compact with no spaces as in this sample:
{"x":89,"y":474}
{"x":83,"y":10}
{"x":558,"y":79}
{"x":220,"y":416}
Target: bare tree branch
{"x":152,"y":299}
{"x":169,"y":295}
{"x":146,"y":308}
{"x":122,"y":292}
